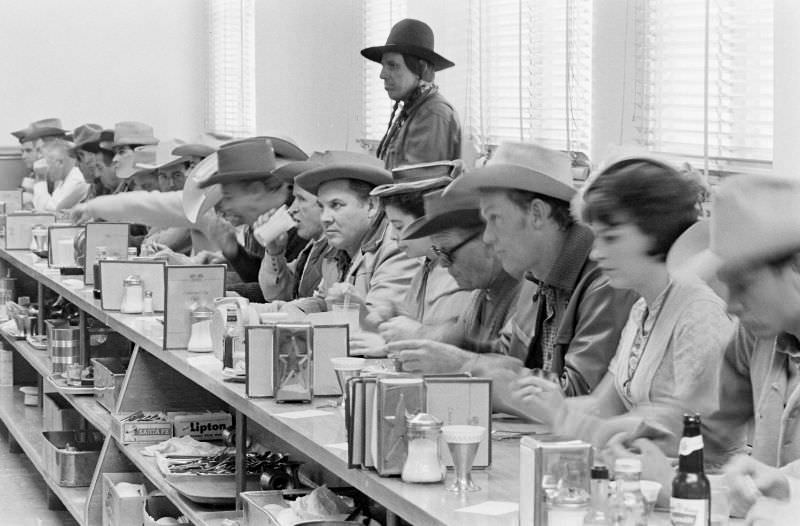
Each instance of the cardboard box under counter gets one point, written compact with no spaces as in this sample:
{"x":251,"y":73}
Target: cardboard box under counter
{"x":121,"y":510}
{"x":200,"y":426}
{"x":135,"y":431}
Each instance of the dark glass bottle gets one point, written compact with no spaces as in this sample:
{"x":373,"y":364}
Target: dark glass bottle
{"x":101,"y":254}
{"x":691,"y":493}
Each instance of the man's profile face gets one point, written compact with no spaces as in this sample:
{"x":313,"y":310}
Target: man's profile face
{"x":766,"y":299}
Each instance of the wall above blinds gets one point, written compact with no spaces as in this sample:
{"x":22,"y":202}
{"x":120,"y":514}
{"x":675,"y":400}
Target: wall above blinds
{"x":231,"y":80}
{"x":711,"y":104}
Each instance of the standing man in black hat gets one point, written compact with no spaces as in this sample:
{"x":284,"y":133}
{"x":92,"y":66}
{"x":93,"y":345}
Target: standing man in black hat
{"x":426,"y":127}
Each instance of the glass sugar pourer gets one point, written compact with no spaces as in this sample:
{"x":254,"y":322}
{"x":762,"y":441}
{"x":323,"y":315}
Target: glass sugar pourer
{"x":200,"y":325}
{"x":132,"y":295}
{"x":423,"y":461}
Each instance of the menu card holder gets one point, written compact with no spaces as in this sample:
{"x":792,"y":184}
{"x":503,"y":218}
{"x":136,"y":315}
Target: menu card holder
{"x":18,"y":228}
{"x":258,"y":351}
{"x":330,"y":341}
{"x":113,"y":236}
{"x":113,"y":272}
{"x":397,"y":399}
{"x":61,"y":248}
{"x":187,"y":287}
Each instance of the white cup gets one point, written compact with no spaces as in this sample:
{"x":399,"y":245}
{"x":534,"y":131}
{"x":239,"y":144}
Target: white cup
{"x":278,"y":223}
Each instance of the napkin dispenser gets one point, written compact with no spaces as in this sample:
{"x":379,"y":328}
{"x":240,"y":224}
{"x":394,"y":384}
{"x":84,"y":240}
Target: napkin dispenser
{"x":396,"y":399}
{"x":550,"y":466}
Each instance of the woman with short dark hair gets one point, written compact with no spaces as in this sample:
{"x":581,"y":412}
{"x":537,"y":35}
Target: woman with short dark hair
{"x":672,"y":344}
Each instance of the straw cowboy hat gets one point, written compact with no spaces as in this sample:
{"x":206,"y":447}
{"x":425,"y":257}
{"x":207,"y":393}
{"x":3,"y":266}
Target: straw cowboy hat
{"x":143,"y":155}
{"x":45,"y":128}
{"x":419,"y":178}
{"x":311,"y":180}
{"x":409,"y":37}
{"x":443,"y":212}
{"x":521,"y":166}
{"x":131,"y":133}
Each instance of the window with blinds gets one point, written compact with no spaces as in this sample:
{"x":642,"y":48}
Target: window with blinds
{"x":231,"y":88}
{"x":529,"y":79}
{"x":379,"y":17}
{"x":704,"y":82}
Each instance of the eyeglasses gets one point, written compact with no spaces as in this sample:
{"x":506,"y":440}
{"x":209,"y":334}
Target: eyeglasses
{"x":447,"y":255}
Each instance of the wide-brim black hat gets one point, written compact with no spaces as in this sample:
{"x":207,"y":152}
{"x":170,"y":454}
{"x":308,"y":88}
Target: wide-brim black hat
{"x":409,"y":37}
{"x":311,"y":180}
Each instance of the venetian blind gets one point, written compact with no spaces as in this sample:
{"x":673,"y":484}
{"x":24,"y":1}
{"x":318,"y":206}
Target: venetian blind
{"x":529,"y":76}
{"x":704,"y":81}
{"x":231,"y":88}
{"x":379,"y":17}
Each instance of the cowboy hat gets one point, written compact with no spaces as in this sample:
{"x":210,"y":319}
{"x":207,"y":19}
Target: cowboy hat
{"x":45,"y":128}
{"x":443,"y":212}
{"x":419,"y":178}
{"x":243,"y":160}
{"x":521,"y":166}
{"x":20,"y":134}
{"x":164,"y":156}
{"x":409,"y":37}
{"x":132,"y":165}
{"x":193,"y":150}
{"x":754,"y":219}
{"x":311,"y":180}
{"x":198,"y":199}
{"x":131,"y":133}
{"x":103,"y":143}
{"x":86,"y":133}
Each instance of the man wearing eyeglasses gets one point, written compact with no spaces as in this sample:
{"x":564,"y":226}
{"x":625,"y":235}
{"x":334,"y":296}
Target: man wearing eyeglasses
{"x":455,"y":229}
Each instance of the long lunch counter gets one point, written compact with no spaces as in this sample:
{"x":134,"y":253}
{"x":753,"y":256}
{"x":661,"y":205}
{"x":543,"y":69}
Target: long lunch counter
{"x":177,"y":379}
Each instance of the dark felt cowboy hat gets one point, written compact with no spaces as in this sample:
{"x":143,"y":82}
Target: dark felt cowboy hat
{"x":410,"y":37}
{"x":311,"y":180}
{"x":460,"y":210}
{"x":244,"y":160}
{"x":45,"y":128}
{"x":84,"y":134}
{"x":419,"y":178}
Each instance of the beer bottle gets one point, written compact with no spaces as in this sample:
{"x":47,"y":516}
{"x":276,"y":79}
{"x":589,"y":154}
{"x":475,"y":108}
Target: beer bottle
{"x":690,"y":504}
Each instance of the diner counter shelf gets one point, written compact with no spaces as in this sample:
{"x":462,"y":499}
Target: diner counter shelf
{"x":190,"y":381}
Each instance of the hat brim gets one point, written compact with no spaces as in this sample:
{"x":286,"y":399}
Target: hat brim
{"x":513,"y":177}
{"x":311,"y":180}
{"x":427,"y":226}
{"x":197,"y":200}
{"x":193,"y":150}
{"x":144,"y":141}
{"x":235,"y":177}
{"x":165,"y":164}
{"x":291,"y":170}
{"x":20,"y":134}
{"x":375,"y":54}
{"x":690,"y":257}
{"x":423,"y":185}
{"x":41,"y":133}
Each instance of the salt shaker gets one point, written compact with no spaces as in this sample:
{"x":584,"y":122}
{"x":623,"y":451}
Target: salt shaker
{"x":132,"y":295}
{"x":423,"y":461}
{"x":147,"y":303}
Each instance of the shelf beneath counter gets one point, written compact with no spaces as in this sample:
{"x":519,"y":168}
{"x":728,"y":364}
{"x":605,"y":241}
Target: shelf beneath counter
{"x":24,"y":423}
{"x":199,"y":514}
{"x":86,"y":405}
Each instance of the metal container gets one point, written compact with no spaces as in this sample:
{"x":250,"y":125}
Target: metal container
{"x":63,"y":344}
{"x":108,"y":376}
{"x":70,"y":457}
